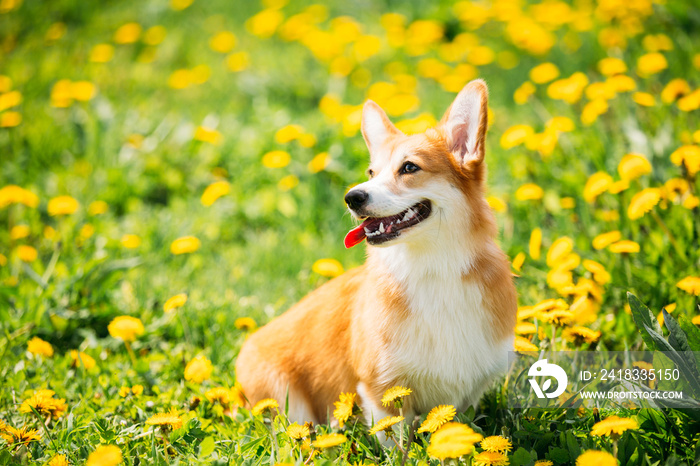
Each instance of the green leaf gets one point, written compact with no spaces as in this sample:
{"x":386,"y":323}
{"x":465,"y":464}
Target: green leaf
{"x":643,"y":317}
{"x":206,"y":448}
{"x":521,"y":457}
{"x":679,"y":340}
{"x":558,"y":455}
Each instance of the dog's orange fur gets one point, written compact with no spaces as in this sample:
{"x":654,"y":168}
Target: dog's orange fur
{"x":326,"y":344}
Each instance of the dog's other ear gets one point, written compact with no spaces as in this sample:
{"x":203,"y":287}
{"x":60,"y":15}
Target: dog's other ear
{"x":376,"y":126}
{"x":465,"y":123}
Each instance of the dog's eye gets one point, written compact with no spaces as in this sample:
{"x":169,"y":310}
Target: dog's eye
{"x":370,"y":173}
{"x":409,"y":167}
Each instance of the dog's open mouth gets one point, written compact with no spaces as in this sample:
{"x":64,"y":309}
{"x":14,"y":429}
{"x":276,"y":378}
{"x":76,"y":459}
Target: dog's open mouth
{"x":383,"y":229}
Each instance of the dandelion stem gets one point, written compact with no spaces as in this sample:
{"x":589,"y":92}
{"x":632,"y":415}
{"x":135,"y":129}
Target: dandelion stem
{"x":401,"y":425}
{"x":131,"y":352}
{"x":668,"y":233}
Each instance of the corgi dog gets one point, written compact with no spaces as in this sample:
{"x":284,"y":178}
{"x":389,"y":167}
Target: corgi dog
{"x":434,"y":306}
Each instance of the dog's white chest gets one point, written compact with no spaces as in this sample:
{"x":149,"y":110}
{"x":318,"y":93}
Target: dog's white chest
{"x":444,"y":350}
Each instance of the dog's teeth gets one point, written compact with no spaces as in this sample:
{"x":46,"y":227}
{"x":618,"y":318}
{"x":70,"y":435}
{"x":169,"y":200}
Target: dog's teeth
{"x":367,"y":231}
{"x":381,"y":228}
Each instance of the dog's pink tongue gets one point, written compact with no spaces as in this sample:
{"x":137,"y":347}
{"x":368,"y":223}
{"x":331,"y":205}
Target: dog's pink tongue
{"x":355,"y":236}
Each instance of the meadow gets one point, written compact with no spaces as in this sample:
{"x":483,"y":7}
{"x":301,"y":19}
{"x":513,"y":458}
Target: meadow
{"x":172,"y":175}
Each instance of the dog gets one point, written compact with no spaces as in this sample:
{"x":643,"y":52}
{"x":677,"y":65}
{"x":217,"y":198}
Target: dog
{"x":434,"y":306}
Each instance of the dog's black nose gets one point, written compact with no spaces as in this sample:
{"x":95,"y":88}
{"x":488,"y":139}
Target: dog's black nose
{"x":356,"y":198}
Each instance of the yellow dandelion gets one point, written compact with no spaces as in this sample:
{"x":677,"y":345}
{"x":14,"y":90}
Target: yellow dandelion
{"x":214,"y":191}
{"x":344,"y":407}
{"x":600,"y":275}
{"x":523,"y":345}
{"x":267,"y":404}
{"x":516,"y":135}
{"x":395,"y":396}
{"x":175,"y":302}
{"x":185,"y":245}
{"x":690,"y":285}
{"x":39,"y":347}
{"x":98,"y":208}
{"x":675,"y":89}
{"x":328,"y":267}
{"x":288,"y":133}
{"x":453,"y":440}
{"x":632,"y":166}
{"x":130,"y":241}
{"x":127,"y":33}
{"x":644,"y":99}
{"x":13,"y":194}
{"x":490,"y":458}
{"x":155,"y":35}
{"x":525,"y":328}
{"x":529,"y":192}
{"x":44,"y":403}
{"x":496,"y":443}
{"x":613,"y":425}
{"x":179,"y":5}
{"x":62,"y":205}
{"x":611,"y":66}
{"x":319,"y":162}
{"x":288,"y":182}
{"x":559,"y":250}
{"x":544,"y":463}
{"x":166,"y":420}
{"x":20,"y":436}
{"x":126,"y":328}
{"x":557,"y":317}
{"x":246,"y":324}
{"x":689,"y":156}
{"x":518,"y":261}
{"x":544,"y":73}
{"x":651,"y":63}
{"x":497,"y":204}
{"x":58,"y":460}
{"x":137,"y":390}
{"x":198,"y":369}
{"x":237,"y":61}
{"x":79,"y":358}
{"x":596,"y":185}
{"x":643,"y":202}
{"x":437,"y":417}
{"x":596,"y":458}
{"x":223,"y":42}
{"x":124,"y":391}
{"x":276,"y":159}
{"x":624,"y":246}
{"x":385,"y":425}
{"x":27,"y":253}
{"x":579,"y":335}
{"x":265,"y":23}
{"x":298,"y":432}
{"x":604,"y":240}
{"x":326,"y":441}
{"x":208,"y":135}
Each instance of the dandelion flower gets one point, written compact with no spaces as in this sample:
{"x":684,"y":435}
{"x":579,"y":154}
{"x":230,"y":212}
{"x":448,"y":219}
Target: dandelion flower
{"x":516,"y":135}
{"x":80,"y":358}
{"x":490,"y":458}
{"x":127,"y":33}
{"x":198,"y":369}
{"x":632,"y":166}
{"x":600,"y":275}
{"x":523,"y":345}
{"x":651,"y":63}
{"x":605,"y":239}
{"x":219,"y":395}
{"x":137,"y":390}
{"x":344,"y":407}
{"x":395,"y":396}
{"x":124,"y":392}
{"x":437,"y":417}
{"x":385,"y":425}
{"x":105,"y":455}
{"x":276,"y":159}
{"x":13,"y":194}
{"x":579,"y":335}
{"x":596,"y":458}
{"x":62,"y":205}
{"x":208,"y":135}
{"x":544,"y":72}
{"x":185,"y":245}
{"x":130,"y":241}
{"x":613,"y":425}
{"x":329,"y":441}
{"x":165,"y":420}
{"x":559,"y":250}
{"x":688,"y":155}
{"x":544,"y":463}
{"x":319,"y":162}
{"x":44,"y":403}
{"x":126,"y":328}
{"x":596,"y":185}
{"x":328,"y":267}
{"x":690,"y":285}
{"x":298,"y":432}
{"x":453,"y":440}
{"x":20,"y":436}
{"x":529,"y":192}
{"x":496,"y":443}
{"x":175,"y":302}
{"x":58,"y":460}
{"x":557,"y":317}
{"x":644,"y":99}
{"x":223,"y":42}
{"x":246,"y":324}
{"x":643,"y":202}
{"x":611,"y":66}
{"x":267,"y":404}
{"x":39,"y":347}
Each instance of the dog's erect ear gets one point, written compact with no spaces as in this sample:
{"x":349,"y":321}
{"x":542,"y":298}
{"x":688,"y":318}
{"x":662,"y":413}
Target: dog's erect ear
{"x":465,"y":123}
{"x":376,"y":127}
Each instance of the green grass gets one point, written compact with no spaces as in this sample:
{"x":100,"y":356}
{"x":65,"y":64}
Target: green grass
{"x":259,"y":242}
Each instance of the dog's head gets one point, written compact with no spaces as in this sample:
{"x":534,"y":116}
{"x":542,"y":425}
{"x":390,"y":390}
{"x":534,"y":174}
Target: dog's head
{"x":425,"y":182}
